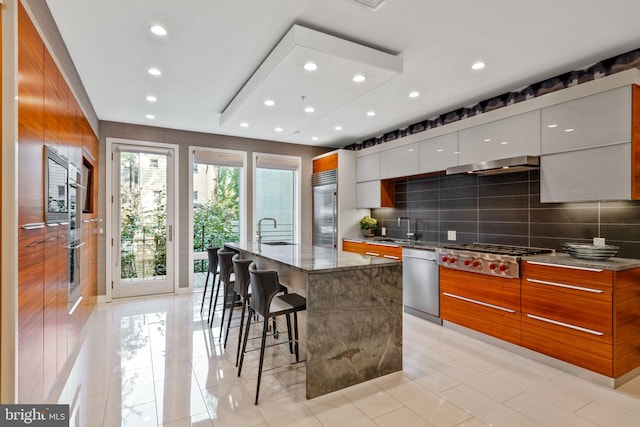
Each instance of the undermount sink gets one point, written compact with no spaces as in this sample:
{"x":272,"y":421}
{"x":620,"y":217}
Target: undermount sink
{"x":278,"y":243}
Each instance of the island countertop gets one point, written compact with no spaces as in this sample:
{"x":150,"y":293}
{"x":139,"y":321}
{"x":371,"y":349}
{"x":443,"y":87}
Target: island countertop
{"x":311,"y":259}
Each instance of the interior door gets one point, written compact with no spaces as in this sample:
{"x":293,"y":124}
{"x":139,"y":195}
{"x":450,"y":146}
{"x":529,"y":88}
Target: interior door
{"x":142,"y":229}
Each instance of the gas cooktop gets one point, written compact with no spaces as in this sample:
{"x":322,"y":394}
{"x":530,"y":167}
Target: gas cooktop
{"x":490,"y":248}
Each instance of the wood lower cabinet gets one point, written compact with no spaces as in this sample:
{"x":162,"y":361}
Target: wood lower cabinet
{"x":486,"y":304}
{"x":372,"y":249}
{"x":582,"y":316}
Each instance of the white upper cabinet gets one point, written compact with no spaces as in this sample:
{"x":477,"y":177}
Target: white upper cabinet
{"x":368,"y":195}
{"x":514,"y":136}
{"x":439,"y":153}
{"x":400,"y":161}
{"x":368,"y":167}
{"x":602,"y":173}
{"x":592,"y":121}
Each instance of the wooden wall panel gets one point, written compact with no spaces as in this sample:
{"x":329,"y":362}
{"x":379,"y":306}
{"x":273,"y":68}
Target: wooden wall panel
{"x":626,"y":320}
{"x":30,"y":315}
{"x":30,"y":120}
{"x":325,"y":163}
{"x":47,"y":114}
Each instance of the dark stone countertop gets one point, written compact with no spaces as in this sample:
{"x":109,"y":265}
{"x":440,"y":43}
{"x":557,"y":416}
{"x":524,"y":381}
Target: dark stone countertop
{"x":613,"y":264}
{"x":312,"y":258}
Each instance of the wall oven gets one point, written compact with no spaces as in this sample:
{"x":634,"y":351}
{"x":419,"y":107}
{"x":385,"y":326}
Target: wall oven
{"x":75,"y":238}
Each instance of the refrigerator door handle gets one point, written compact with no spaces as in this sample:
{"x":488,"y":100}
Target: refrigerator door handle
{"x":334,"y":234}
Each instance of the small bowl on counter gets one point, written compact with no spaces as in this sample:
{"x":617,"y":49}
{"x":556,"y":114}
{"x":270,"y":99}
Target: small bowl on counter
{"x":590,"y":252}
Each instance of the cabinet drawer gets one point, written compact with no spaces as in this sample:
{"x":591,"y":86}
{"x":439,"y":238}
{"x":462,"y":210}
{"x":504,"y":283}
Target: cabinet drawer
{"x":587,"y":350}
{"x":573,"y":276}
{"x":492,"y":290}
{"x":590,"y":308}
{"x":499,"y":322}
{"x":352,"y":246}
{"x":384,"y":251}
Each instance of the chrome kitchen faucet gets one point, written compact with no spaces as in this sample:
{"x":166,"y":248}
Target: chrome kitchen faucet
{"x":259,"y":232}
{"x":409,"y":233}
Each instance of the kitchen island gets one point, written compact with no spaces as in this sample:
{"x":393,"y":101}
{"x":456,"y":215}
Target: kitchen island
{"x":351,"y":331}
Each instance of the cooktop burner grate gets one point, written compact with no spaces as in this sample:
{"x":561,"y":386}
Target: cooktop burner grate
{"x":499,"y":249}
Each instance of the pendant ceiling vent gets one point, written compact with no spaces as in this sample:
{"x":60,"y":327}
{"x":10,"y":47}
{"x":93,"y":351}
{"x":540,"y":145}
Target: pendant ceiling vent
{"x":372,"y":4}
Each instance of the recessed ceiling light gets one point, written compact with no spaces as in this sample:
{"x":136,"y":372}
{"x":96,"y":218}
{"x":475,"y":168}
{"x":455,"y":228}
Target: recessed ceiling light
{"x":151,"y":98}
{"x":310,"y":66}
{"x":359,"y":78}
{"x":504,"y":142}
{"x":278,"y":129}
{"x":309,"y":110}
{"x":552,"y":126}
{"x":439,"y":150}
{"x":154,"y":72}
{"x":150,"y":116}
{"x":269,"y":102}
{"x":569,"y":130}
{"x":244,"y":124}
{"x":487,"y":140}
{"x":314,"y":138}
{"x":371,"y":113}
{"x":158,"y":30}
{"x":414,"y":94}
{"x":478,"y":65}
{"x":338,"y":128}
{"x":456,"y":152}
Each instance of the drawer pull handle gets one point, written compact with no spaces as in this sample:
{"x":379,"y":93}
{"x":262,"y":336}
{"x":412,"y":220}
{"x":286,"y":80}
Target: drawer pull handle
{"x":479,"y":302}
{"x":372,"y":253}
{"x":391,"y":257}
{"x":562,"y":285}
{"x":32,"y":226}
{"x":566,"y":325}
{"x":573,"y":267}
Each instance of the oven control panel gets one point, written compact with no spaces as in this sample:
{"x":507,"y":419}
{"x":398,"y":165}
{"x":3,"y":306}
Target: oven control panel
{"x":496,"y":265}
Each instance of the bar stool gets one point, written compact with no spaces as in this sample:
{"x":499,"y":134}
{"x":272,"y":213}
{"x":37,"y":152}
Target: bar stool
{"x":212,"y":254}
{"x":226,"y":268}
{"x":241,"y":289}
{"x":265,"y":302}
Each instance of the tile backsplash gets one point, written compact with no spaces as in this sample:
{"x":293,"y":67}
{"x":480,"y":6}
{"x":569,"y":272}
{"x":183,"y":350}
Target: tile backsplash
{"x":506,"y":209}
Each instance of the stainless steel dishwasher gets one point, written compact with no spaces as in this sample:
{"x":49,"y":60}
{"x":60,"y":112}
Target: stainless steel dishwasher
{"x":421,"y":283}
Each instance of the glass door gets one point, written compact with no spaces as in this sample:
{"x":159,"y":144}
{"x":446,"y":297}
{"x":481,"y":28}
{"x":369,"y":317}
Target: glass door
{"x":143,"y":244}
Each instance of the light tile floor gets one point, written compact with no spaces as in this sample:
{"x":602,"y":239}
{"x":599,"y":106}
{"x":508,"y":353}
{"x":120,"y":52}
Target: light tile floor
{"x":154,"y":362}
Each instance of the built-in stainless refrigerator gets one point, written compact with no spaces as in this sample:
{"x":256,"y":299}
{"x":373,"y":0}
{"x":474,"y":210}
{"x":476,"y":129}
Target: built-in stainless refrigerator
{"x":325,"y":209}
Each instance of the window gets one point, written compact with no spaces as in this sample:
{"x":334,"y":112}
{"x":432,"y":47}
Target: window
{"x":195,"y":197}
{"x":157,"y":196}
{"x":277,"y":196}
{"x":153,"y":163}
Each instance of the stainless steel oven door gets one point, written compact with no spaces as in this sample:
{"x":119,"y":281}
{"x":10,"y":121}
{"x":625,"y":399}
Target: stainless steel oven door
{"x":75,"y":275}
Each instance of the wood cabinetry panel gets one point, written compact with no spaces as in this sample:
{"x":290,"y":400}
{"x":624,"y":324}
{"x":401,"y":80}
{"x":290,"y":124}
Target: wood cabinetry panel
{"x":490,"y":321}
{"x":325,"y":163}
{"x":383,"y":251}
{"x":30,"y":315}
{"x":626,"y":315}
{"x":62,"y":297}
{"x":351,"y":246}
{"x":487,"y":304}
{"x":572,"y":276}
{"x":30,"y":121}
{"x":584,"y":308}
{"x":497,"y":291}
{"x":579,"y":348}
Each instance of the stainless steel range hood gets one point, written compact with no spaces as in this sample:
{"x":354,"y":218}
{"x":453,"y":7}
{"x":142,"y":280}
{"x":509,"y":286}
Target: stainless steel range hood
{"x":492,"y":167}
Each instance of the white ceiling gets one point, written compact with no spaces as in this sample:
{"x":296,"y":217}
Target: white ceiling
{"x":213,"y":47}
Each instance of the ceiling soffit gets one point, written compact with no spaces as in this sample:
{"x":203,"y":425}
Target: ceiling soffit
{"x":282,"y":78}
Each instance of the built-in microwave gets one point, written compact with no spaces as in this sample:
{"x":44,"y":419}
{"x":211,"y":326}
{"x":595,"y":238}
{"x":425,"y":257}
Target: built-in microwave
{"x":56,"y":186}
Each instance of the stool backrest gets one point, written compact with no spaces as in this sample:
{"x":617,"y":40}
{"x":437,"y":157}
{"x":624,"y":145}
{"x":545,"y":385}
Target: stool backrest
{"x":264,"y":286}
{"x":226,"y":265}
{"x":212,"y":253}
{"x":241,"y":271}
